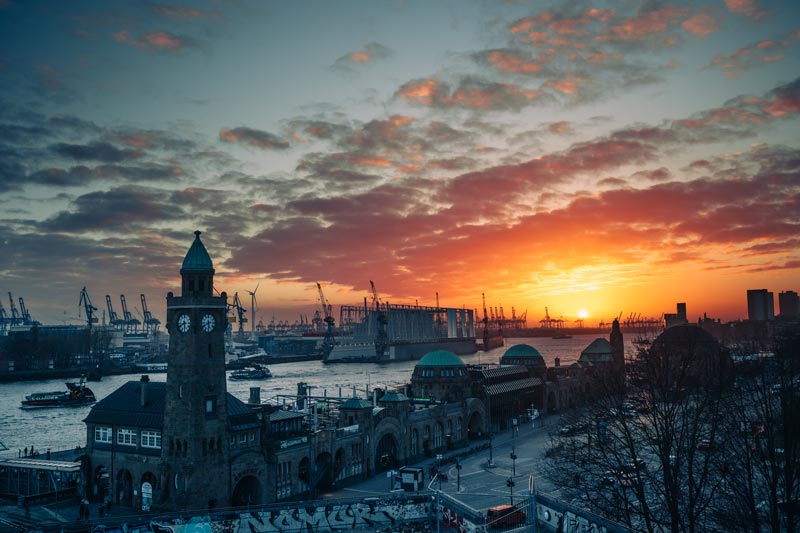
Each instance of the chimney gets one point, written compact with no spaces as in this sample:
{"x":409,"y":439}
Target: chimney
{"x":255,"y":396}
{"x":558,"y":361}
{"x":145,"y":379}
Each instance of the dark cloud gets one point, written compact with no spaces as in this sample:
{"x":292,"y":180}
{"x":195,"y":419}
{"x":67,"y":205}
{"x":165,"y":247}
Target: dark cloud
{"x":119,"y":209}
{"x":95,"y":151}
{"x":60,"y":177}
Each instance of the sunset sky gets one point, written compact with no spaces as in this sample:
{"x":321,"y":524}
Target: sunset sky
{"x":585,"y":156}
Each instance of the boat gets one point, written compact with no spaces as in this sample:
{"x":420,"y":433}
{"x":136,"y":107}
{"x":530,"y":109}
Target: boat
{"x":257,"y":372}
{"x":562,"y":336}
{"x":76,"y":394}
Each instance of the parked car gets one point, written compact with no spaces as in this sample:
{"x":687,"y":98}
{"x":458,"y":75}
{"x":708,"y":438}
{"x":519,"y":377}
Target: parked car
{"x":704,"y":445}
{"x":503,"y":516}
{"x":618,"y":477}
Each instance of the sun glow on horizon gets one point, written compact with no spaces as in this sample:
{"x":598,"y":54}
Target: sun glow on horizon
{"x":583,"y":313}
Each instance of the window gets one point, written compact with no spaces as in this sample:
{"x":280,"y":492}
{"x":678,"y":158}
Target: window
{"x":211,"y":406}
{"x":126,"y":437}
{"x":102,"y":434}
{"x":151,"y":439}
{"x":242,"y":437}
{"x":252,"y":436}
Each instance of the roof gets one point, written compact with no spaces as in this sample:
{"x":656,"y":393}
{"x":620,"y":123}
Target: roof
{"x":394,"y":397}
{"x":124,"y":406}
{"x":29,"y":463}
{"x":441,"y":358}
{"x":503,"y":371}
{"x":599,"y":347}
{"x":356,"y":403}
{"x":513,"y":386}
{"x":197,"y":257}
{"x":283,"y":414}
{"x":522,"y":350}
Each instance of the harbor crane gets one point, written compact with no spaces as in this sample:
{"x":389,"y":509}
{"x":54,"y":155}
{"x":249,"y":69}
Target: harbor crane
{"x":253,"y":310}
{"x":375,"y":299}
{"x":26,"y":316}
{"x":113,"y":318}
{"x":485,"y":315}
{"x":86,"y":303}
{"x":16,"y":319}
{"x":130,"y":321}
{"x":151,"y":323}
{"x":3,"y":317}
{"x":327,"y":310}
{"x":240,"y":311}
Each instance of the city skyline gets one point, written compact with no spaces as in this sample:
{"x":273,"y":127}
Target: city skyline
{"x":596,"y":157}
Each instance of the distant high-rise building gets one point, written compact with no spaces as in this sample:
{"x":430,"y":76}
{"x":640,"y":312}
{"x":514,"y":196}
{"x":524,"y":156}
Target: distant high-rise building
{"x":678,"y":318}
{"x":760,"y":304}
{"x":789,"y":304}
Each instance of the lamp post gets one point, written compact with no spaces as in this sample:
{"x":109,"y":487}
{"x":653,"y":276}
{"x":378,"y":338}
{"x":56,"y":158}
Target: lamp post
{"x":490,"y":464}
{"x":513,"y":456}
{"x":458,"y":470}
{"x":510,"y":484}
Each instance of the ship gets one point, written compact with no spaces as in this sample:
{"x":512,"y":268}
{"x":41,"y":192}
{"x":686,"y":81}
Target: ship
{"x":76,"y":394}
{"x":385,"y":333}
{"x":257,"y":372}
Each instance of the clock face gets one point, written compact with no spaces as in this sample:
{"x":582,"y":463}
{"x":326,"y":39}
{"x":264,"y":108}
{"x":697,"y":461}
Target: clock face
{"x":208,"y":323}
{"x":184,"y":322}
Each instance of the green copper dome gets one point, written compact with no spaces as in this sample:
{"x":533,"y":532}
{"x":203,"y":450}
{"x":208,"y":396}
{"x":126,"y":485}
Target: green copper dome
{"x":197,"y":257}
{"x":522,"y":350}
{"x":440,"y":358}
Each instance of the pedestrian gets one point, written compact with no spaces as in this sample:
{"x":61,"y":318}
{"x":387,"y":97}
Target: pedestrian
{"x":48,"y":454}
{"x":26,"y":451}
{"x":19,"y":452}
{"x":86,"y":511}
{"x":81,"y":508}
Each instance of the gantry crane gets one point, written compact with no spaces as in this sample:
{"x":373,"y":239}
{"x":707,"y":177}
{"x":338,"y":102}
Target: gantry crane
{"x":113,"y":318}
{"x":151,"y":323}
{"x":131,"y":322}
{"x":236,"y":305}
{"x":3,"y":318}
{"x":24,"y":313}
{"x":86,"y":303}
{"x":16,"y":319}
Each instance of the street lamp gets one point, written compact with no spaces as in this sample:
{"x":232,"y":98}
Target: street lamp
{"x":513,"y":456}
{"x":510,"y":483}
{"x":458,"y":469}
{"x":490,"y":464}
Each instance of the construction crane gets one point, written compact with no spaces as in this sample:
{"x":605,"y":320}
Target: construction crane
{"x":131,"y":322}
{"x":253,"y":310}
{"x":438,"y":317}
{"x":485,"y":315}
{"x":86,"y":303}
{"x":150,"y":322}
{"x":327,"y":310}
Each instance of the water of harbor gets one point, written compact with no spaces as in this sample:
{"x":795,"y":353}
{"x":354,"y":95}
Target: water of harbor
{"x":63,"y":428}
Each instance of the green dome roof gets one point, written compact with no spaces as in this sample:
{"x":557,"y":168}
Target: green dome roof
{"x":598,"y":347}
{"x":522,"y":350}
{"x":440,"y":358}
{"x":197,"y":257}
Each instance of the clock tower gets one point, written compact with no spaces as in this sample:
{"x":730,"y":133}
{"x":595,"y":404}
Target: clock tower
{"x":195,"y":449}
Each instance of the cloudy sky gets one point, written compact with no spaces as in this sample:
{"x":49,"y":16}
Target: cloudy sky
{"x":607,"y":157}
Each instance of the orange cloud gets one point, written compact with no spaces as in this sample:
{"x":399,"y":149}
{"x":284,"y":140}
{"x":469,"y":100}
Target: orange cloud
{"x":643,"y":25}
{"x":154,"y":41}
{"x":700,"y":25}
{"x":512,"y":62}
{"x":748,"y":8}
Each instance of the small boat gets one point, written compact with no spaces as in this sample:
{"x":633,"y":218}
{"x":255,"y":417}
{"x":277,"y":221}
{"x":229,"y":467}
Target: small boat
{"x":75,"y":395}
{"x":562,"y":336}
{"x":257,"y":372}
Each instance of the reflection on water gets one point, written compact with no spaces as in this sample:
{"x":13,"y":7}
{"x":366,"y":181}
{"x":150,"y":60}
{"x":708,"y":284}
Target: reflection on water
{"x":61,"y":428}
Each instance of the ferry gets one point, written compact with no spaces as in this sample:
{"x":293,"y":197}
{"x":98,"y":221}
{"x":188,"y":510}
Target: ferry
{"x":75,"y":395}
{"x":257,"y":372}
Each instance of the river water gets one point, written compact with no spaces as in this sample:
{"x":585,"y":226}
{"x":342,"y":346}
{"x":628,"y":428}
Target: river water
{"x":62,"y":428}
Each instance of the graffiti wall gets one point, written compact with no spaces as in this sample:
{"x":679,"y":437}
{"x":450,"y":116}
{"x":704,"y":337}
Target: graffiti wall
{"x":303,"y":518}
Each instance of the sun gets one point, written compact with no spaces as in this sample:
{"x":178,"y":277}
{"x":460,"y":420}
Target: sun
{"x":583,"y":313}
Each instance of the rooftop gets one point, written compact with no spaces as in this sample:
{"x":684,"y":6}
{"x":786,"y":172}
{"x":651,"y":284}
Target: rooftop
{"x":197,"y":257}
{"x":440,"y":358}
